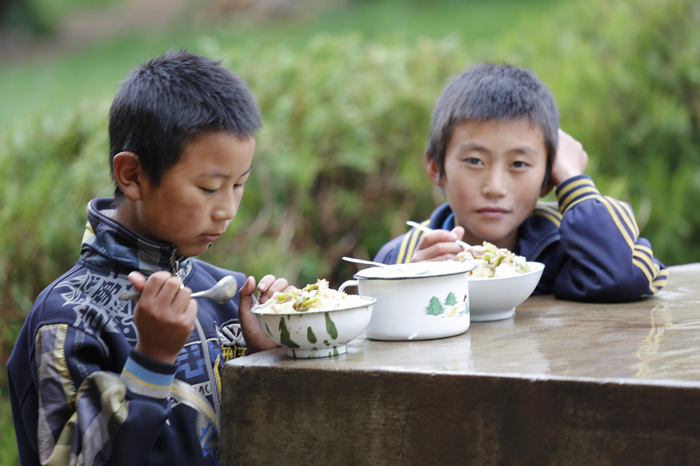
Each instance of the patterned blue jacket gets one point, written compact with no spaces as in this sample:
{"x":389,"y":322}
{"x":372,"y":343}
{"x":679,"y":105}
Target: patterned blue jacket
{"x":589,"y":243}
{"x":81,"y":395}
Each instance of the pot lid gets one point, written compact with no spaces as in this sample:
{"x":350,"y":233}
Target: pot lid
{"x":415,"y":270}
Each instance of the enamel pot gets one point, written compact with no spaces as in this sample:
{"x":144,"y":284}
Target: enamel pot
{"x":418,"y":301}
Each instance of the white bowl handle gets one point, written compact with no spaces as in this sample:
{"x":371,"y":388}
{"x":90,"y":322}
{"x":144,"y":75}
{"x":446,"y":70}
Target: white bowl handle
{"x":349,"y":283}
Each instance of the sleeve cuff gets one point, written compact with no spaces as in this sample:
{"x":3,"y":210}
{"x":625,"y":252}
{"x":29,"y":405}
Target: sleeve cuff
{"x":574,"y":190}
{"x":147,"y":377}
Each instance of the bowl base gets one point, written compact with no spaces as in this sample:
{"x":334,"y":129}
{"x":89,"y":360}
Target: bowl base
{"x":492,"y":316}
{"x":317,"y":353}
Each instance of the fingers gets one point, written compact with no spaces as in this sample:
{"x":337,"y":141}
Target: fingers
{"x":571,"y":159}
{"x":166,"y":287}
{"x":255,"y":338}
{"x":248,"y":288}
{"x":164,"y":316}
{"x":246,"y":300}
{"x":438,"y":245}
{"x":269,"y":285}
{"x":138,"y":280}
{"x":458,"y":232}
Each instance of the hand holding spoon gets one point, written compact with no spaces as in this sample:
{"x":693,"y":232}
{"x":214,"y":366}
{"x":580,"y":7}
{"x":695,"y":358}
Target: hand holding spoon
{"x":223,"y":291}
{"x":428,"y":230}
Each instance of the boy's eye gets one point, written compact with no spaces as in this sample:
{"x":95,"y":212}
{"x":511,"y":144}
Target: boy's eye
{"x":208,"y":191}
{"x":472,"y":160}
{"x":520,"y":164}
{"x":237,"y":185}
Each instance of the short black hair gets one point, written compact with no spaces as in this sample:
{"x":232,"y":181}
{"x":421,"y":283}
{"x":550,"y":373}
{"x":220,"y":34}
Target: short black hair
{"x":493,"y":92}
{"x":167,"y":101}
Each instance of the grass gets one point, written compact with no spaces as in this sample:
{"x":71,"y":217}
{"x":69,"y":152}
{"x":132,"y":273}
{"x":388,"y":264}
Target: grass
{"x":52,"y":86}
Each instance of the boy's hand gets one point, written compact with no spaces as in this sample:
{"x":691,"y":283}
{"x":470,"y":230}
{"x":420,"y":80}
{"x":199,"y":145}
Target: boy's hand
{"x":571,"y":159}
{"x":255,"y":338}
{"x":164,"y":315}
{"x":438,"y":245}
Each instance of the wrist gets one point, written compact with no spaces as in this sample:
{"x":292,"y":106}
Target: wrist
{"x":156,"y":354}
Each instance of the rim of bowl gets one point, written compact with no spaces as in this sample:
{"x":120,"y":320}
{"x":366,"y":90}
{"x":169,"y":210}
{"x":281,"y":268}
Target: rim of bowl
{"x":463,"y":268}
{"x":256,"y":309}
{"x":490,"y":279}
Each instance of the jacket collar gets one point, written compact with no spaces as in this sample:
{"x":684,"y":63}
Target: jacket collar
{"x":108,"y":243}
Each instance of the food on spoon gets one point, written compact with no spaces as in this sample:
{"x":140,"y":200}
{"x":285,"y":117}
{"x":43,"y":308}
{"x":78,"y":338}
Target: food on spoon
{"x":313,"y":297}
{"x":493,"y":262}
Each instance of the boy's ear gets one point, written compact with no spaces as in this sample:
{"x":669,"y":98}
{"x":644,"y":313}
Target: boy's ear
{"x":433,"y":170}
{"x":128,"y":174}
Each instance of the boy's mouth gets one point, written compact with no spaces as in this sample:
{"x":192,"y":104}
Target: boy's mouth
{"x":210,"y":237}
{"x":492,"y":212}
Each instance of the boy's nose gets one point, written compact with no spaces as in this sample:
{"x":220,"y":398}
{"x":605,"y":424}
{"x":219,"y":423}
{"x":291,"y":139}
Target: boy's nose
{"x":225,"y":210}
{"x":495,"y":184}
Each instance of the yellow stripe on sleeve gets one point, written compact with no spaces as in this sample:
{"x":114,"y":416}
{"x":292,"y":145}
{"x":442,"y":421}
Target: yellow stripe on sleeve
{"x":613,"y":215}
{"x":630,"y":215}
{"x":415,"y":237}
{"x":624,"y":215}
{"x":404,"y":245}
{"x":549,"y":216}
{"x":645,"y":270}
{"x":581,"y":199}
{"x":574,"y":198}
{"x":572,"y":186}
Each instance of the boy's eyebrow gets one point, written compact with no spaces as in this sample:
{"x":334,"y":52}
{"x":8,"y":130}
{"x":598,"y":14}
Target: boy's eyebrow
{"x":218,"y":174}
{"x":526,"y":149}
{"x":467,"y":146}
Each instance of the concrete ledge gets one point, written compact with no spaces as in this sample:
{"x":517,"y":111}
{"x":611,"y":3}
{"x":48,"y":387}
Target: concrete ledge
{"x":560,"y":383}
{"x":395,"y":418}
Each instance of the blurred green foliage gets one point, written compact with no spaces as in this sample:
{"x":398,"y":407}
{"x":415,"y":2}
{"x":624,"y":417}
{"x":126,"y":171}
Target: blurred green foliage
{"x":627,"y":80}
{"x":339,"y":165}
{"x":51,"y":85}
{"x":40,"y":17}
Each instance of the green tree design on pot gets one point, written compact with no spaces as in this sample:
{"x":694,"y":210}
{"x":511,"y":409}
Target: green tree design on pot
{"x":434,"y":307}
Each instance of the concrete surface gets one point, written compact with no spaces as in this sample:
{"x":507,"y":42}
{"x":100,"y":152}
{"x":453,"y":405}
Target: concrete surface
{"x":560,"y":383}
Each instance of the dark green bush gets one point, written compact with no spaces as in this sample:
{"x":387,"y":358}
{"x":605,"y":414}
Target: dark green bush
{"x":48,"y":174}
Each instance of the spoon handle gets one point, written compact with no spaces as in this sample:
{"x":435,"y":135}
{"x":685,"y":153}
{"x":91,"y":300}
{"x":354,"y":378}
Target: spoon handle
{"x":130,"y":295}
{"x":133,"y":294}
{"x":425,"y":229}
{"x":362,"y":261}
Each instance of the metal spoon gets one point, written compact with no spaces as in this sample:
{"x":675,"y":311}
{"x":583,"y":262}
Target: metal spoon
{"x":428,"y":230}
{"x":223,"y":291}
{"x":362,"y":261}
{"x":379,"y":264}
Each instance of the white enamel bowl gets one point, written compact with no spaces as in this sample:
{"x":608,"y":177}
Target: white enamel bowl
{"x":316,"y":334}
{"x":418,"y":301}
{"x":497,"y":298}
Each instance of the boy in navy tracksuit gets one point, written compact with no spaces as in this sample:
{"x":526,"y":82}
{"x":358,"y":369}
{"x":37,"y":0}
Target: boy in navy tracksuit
{"x":98,"y":380}
{"x":495,"y":148}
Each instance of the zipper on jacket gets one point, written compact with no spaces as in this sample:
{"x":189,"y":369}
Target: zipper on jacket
{"x":175,"y":262}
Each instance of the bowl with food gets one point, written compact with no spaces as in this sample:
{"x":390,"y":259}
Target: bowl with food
{"x":315,"y":321}
{"x":417,"y":301}
{"x":499,"y":281}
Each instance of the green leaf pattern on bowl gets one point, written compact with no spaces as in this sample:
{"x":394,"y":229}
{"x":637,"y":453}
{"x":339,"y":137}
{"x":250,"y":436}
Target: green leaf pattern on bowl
{"x":285,"y":336}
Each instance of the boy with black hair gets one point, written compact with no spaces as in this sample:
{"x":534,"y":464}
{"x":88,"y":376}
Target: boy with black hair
{"x":495,"y":148}
{"x":98,"y":380}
